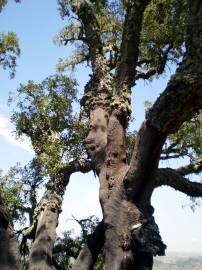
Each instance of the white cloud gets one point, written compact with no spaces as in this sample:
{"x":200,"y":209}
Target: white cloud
{"x":5,"y":131}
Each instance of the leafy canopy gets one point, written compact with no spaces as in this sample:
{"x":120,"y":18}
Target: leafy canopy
{"x":19,"y":190}
{"x":161,"y":41}
{"x":45,"y":114}
{"x":9,"y":47}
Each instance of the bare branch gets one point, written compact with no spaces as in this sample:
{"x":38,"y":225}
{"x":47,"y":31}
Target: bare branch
{"x":172,"y":178}
{"x":145,"y":76}
{"x":176,"y":152}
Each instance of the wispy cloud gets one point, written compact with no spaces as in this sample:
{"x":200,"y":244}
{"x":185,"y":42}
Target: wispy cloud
{"x":6,"y":132}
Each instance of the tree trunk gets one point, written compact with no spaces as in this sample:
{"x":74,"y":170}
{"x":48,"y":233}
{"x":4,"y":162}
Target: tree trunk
{"x":41,"y":252}
{"x":9,"y":256}
{"x":125,"y":218}
{"x":45,"y":219}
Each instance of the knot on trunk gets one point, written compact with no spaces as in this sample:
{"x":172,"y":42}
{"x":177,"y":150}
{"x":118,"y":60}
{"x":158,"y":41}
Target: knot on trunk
{"x":146,"y":238}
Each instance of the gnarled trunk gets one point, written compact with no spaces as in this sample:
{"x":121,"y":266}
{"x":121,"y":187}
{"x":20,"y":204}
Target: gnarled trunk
{"x":126,"y":219}
{"x":41,"y":252}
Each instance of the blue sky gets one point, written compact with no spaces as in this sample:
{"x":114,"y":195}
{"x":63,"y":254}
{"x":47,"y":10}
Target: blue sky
{"x":36,"y":23}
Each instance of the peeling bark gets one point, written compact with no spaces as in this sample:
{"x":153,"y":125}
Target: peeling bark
{"x":120,"y":214}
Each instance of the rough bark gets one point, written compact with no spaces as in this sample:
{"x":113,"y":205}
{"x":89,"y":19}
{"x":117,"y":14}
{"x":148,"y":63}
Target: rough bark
{"x":130,"y":233}
{"x":167,"y":114}
{"x":106,"y":146}
{"x":125,"y":191}
{"x":91,"y":26}
{"x":145,"y":159}
{"x":41,"y":252}
{"x":9,"y":255}
{"x":46,"y":216}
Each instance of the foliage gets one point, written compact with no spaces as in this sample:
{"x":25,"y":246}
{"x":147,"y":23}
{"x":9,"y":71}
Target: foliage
{"x":187,"y":141}
{"x":65,"y":250}
{"x":9,"y":46}
{"x":11,"y":189}
{"x":19,"y":190}
{"x":4,"y":2}
{"x":162,"y":37}
{"x":45,"y":115}
{"x":88,"y":226}
{"x":9,"y":51}
{"x":110,"y":18}
{"x":130,"y":143}
{"x":163,"y":34}
{"x":67,"y":247}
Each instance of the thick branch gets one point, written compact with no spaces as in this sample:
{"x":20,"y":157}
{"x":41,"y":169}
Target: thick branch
{"x":83,"y":166}
{"x":92,"y":31}
{"x":144,"y":161}
{"x":191,"y":168}
{"x":182,"y":97}
{"x":89,"y":253}
{"x":77,"y":165}
{"x":170,"y":177}
{"x":130,"y":43}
